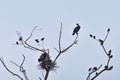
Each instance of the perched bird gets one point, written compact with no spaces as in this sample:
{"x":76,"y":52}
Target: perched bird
{"x":36,"y":40}
{"x":20,"y":38}
{"x":42,"y":39}
{"x":76,"y":29}
{"x":43,"y":57}
{"x":17,"y":42}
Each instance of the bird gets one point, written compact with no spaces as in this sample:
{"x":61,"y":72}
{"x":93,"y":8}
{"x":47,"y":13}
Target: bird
{"x":76,"y":29}
{"x":20,"y":38}
{"x":43,"y":57}
{"x":42,"y":39}
{"x":36,"y":40}
{"x":17,"y":42}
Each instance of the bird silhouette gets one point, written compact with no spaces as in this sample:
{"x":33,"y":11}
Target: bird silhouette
{"x":37,"y":40}
{"x":76,"y":29}
{"x":42,"y":39}
{"x":43,"y":57}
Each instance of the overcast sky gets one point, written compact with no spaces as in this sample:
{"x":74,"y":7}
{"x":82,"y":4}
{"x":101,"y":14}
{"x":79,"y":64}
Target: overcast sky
{"x":94,"y":17}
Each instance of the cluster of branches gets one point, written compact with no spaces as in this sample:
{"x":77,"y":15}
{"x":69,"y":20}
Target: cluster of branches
{"x":94,"y":72}
{"x":45,"y":62}
{"x":21,"y":69}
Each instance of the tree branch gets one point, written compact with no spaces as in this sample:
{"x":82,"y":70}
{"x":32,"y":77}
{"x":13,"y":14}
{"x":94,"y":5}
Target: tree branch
{"x":108,"y":54}
{"x":21,"y":68}
{"x":46,"y":76}
{"x":10,"y":70}
{"x":26,"y":45}
{"x":60,"y":51}
{"x":60,"y":37}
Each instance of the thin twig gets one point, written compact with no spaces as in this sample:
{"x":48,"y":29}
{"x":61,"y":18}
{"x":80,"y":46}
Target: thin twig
{"x":14,"y":63}
{"x":75,"y":42}
{"x":31,"y":34}
{"x":98,"y":74}
{"x":21,"y":68}
{"x":88,"y":77}
{"x":23,"y":60}
{"x":106,"y":36}
{"x":60,"y":52}
{"x":60,"y":37}
{"x":104,"y":50}
{"x":108,"y":61}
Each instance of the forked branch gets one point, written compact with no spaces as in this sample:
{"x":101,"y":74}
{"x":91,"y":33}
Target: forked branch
{"x":60,"y":51}
{"x":11,"y":72}
{"x":25,"y":42}
{"x":21,"y":68}
{"x":97,"y":71}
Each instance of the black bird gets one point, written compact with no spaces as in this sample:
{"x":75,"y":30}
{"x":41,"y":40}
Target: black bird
{"x":42,"y":39}
{"x":76,"y":29}
{"x":20,"y":38}
{"x":17,"y":42}
{"x":37,"y":40}
{"x":43,"y":57}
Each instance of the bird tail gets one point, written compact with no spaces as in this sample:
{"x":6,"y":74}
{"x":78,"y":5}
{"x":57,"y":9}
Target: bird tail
{"x":73,"y":33}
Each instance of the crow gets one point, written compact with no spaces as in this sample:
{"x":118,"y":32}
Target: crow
{"x":76,"y":29}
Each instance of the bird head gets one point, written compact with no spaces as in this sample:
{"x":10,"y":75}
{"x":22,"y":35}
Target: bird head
{"x":77,"y":24}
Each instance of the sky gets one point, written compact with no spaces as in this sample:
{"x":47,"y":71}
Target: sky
{"x":94,"y":17}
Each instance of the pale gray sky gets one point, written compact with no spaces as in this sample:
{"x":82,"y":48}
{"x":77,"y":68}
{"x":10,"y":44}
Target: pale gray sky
{"x":94,"y":17}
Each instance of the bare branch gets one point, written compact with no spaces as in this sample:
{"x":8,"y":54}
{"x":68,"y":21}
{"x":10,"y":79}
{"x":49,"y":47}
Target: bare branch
{"x":98,"y":74}
{"x":10,"y":70}
{"x":26,"y":45}
{"x":93,"y":71}
{"x":46,"y":75}
{"x":31,"y":34}
{"x":60,"y":51}
{"x":21,"y":68}
{"x":107,"y":34}
{"x":104,"y":49}
{"x":23,"y":60}
{"x":60,"y":37}
{"x":75,"y":42}
{"x":108,"y":54}
{"x":24,"y":73}
{"x":56,"y":50}
{"x":14,"y":63}
{"x":108,"y":61}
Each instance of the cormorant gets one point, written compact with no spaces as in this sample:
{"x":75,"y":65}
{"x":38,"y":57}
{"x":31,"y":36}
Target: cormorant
{"x":76,"y":29}
{"x":37,"y":40}
{"x":42,"y":57}
{"x":42,"y":39}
